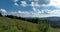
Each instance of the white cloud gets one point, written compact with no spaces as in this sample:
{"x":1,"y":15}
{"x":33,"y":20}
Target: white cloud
{"x":21,"y":13}
{"x":39,"y":13}
{"x":55,"y":12}
{"x":55,"y":3}
{"x":42,"y":13}
{"x":33,"y":4}
{"x":3,"y":10}
{"x":39,"y":3}
{"x":15,"y":0}
{"x":33,"y":0}
{"x":25,"y":13}
{"x":34,"y":9}
{"x":13,"y":13}
{"x":16,"y":4}
{"x":23,"y":3}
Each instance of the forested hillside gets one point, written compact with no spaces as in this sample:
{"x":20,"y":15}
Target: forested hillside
{"x":11,"y":23}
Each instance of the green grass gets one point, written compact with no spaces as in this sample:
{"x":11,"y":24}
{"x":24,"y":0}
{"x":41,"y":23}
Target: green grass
{"x":15,"y":25}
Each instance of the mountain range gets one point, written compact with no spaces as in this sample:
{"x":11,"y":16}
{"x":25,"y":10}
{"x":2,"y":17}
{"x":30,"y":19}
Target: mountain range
{"x":52,"y":20}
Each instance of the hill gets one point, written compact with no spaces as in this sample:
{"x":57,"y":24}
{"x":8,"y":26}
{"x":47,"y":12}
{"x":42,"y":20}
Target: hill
{"x":53,"y":20}
{"x":15,"y":25}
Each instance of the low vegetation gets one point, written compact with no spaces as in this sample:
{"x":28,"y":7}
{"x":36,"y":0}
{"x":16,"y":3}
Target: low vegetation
{"x":11,"y":23}
{"x":14,"y":25}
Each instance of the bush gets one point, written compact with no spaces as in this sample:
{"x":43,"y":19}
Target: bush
{"x":43,"y":25}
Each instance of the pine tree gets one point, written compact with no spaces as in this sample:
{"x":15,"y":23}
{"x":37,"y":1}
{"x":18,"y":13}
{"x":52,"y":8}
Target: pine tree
{"x":0,"y":14}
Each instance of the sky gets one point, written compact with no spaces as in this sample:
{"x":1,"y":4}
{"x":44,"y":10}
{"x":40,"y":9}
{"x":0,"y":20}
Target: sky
{"x":30,"y":8}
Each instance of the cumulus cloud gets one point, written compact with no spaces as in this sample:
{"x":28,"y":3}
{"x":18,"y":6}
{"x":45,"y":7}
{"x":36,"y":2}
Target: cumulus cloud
{"x":55,"y":12}
{"x":33,"y":4}
{"x":25,"y":13}
{"x":13,"y":13}
{"x":16,"y":4}
{"x":37,"y":12}
{"x":39,"y":2}
{"x":3,"y":11}
{"x":23,"y":3}
{"x":43,"y":2}
{"x":33,"y":0}
{"x":15,"y":0}
{"x":42,"y":13}
{"x":21,"y":14}
{"x":55,"y":3}
{"x":47,"y":12}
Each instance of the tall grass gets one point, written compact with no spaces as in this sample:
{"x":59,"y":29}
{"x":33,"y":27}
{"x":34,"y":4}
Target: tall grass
{"x":15,"y":25}
{"x":43,"y":25}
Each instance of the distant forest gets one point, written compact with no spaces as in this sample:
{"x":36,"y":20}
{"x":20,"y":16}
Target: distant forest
{"x":43,"y":28}
{"x":33,"y":20}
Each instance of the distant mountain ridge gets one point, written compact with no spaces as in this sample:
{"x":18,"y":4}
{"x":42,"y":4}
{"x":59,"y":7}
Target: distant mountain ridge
{"x":52,"y":20}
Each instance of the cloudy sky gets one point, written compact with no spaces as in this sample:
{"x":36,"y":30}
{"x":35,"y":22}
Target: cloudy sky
{"x":30,"y":8}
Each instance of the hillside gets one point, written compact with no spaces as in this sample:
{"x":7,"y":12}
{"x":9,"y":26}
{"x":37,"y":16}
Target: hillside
{"x":15,"y":25}
{"x":53,"y":20}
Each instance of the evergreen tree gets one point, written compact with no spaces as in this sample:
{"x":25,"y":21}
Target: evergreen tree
{"x":0,"y":14}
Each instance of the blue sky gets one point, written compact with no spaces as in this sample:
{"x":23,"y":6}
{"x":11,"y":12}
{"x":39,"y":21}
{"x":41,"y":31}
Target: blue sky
{"x":31,"y":8}
{"x":9,"y":6}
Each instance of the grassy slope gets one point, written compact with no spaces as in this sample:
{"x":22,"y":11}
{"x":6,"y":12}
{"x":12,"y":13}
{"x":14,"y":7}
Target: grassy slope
{"x":54,"y":29}
{"x":14,"y":25}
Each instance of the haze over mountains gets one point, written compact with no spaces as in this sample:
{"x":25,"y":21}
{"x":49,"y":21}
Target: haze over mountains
{"x":52,"y":20}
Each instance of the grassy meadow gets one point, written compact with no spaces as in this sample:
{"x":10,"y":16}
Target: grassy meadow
{"x":15,"y":25}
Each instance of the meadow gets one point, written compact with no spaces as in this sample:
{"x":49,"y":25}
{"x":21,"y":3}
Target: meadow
{"x":16,"y":25}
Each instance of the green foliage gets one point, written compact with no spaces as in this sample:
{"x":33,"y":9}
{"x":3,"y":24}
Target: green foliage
{"x":33,"y":20}
{"x":43,"y":25}
{"x":14,"y":25}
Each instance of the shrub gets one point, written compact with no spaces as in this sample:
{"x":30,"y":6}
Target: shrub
{"x":43,"y":25}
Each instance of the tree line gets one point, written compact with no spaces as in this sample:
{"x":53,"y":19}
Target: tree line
{"x":33,"y":20}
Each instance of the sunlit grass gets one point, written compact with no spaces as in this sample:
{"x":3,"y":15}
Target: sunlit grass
{"x":15,"y":25}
